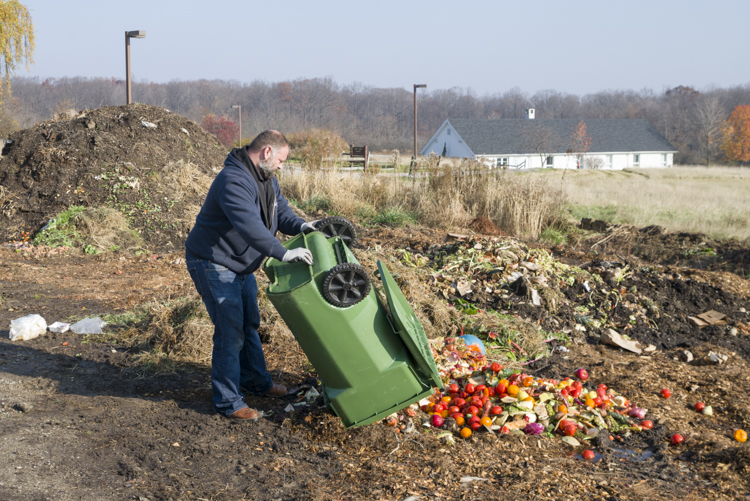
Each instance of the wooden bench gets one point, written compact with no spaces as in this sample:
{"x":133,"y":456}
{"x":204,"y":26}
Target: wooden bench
{"x":359,"y":155}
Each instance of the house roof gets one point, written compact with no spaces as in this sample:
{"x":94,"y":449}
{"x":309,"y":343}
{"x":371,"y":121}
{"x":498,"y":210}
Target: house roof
{"x":515,"y":136}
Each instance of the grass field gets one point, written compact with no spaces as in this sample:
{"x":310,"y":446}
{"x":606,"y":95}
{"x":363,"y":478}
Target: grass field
{"x":715,"y":200}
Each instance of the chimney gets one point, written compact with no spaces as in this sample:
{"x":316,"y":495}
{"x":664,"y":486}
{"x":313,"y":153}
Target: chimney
{"x":530,"y":114}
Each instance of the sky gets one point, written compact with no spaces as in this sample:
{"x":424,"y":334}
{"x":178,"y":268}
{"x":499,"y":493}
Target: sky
{"x":488,"y":47}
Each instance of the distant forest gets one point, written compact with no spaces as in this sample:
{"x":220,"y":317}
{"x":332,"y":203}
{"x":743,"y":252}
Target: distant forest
{"x":383,"y":118}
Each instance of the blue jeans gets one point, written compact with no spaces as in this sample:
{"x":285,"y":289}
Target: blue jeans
{"x":237,"y":358}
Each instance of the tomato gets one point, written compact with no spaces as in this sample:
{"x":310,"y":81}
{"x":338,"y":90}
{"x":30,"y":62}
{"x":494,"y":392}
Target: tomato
{"x":496,"y":367}
{"x":459,"y":420}
{"x":473,"y":410}
{"x":666,"y":393}
{"x":453,"y":388}
{"x":475,"y":419}
{"x":588,"y":402}
{"x":570,"y":430}
{"x":454,"y":396}
{"x":463,"y":394}
{"x":491,"y":392}
{"x":486,"y":421}
{"x":423,"y":407}
{"x":512,"y":390}
{"x":577,"y":385}
{"x":459,"y":402}
{"x":677,"y":439}
{"x":477,"y":401}
{"x":439,"y":408}
{"x":454,"y":409}
{"x":699,"y":406}
{"x":564,"y":392}
{"x":528,"y":381}
{"x":503,"y":382}
{"x":602,"y":385}
{"x":598,"y":401}
{"x":575,"y":392}
{"x":601,"y":392}
{"x":446,"y":400}
{"x":475,"y":426}
{"x":588,"y":454}
{"x":647,"y":423}
{"x":470,"y":389}
{"x":430,"y":407}
{"x":562,"y":408}
{"x":504,"y":430}
{"x":480,"y":388}
{"x":582,"y":374}
{"x":465,"y":432}
{"x":740,"y":436}
{"x":496,"y":410}
{"x":501,"y":388}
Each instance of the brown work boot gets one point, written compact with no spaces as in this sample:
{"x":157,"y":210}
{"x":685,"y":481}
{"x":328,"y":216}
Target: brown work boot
{"x":277,"y":390}
{"x":246,"y":414}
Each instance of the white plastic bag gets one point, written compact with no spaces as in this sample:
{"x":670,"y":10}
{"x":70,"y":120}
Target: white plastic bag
{"x":28,"y":327}
{"x":88,"y":326}
{"x":58,"y":327}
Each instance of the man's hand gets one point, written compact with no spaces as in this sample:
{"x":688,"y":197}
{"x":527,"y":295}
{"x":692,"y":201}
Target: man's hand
{"x":298,"y":254}
{"x":308,"y":227}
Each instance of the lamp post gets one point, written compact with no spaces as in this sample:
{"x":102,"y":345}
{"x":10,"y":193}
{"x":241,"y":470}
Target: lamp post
{"x":240,"y":116}
{"x":416,"y":86}
{"x":128,"y":36}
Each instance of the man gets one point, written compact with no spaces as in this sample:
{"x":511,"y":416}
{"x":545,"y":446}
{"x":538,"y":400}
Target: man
{"x":234,"y":231}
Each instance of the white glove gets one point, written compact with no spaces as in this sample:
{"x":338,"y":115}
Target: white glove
{"x":298,"y":254}
{"x":308,"y":227}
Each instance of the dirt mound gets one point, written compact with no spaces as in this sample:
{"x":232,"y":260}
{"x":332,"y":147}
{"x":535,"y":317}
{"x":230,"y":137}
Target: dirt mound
{"x":655,"y":245}
{"x":147,"y":163}
{"x":484,"y":226}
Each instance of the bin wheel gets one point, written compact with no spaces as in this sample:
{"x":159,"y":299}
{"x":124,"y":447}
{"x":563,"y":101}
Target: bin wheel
{"x":337,"y":226}
{"x":346,"y":284}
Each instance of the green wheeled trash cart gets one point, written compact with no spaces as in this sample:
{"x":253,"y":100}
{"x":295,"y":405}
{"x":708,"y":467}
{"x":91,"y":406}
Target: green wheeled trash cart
{"x":372,"y":359}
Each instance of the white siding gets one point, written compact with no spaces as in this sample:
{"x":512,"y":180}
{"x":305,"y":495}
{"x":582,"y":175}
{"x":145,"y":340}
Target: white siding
{"x":454,"y":146}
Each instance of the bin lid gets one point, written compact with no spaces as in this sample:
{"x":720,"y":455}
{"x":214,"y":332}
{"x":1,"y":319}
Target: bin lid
{"x":409,"y":327}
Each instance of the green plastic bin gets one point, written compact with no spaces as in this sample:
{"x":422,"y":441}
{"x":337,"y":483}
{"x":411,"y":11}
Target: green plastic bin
{"x":372,"y":360}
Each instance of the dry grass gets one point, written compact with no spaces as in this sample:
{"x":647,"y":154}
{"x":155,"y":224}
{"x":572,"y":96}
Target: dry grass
{"x":520,"y":204}
{"x":713,"y":200}
{"x":179,"y":179}
{"x":106,"y":229}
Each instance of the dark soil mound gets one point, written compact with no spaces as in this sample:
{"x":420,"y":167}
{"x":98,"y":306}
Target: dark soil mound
{"x":149,"y":164}
{"x":484,"y":226}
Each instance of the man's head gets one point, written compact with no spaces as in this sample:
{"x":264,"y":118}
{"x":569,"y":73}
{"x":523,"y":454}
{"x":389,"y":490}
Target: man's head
{"x":269,"y":152}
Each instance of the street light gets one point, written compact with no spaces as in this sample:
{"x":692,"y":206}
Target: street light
{"x":240,"y":114}
{"x":128,"y":36}
{"x":416,"y":86}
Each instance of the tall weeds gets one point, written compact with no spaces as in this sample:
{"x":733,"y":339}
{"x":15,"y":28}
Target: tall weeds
{"x":441,"y":197}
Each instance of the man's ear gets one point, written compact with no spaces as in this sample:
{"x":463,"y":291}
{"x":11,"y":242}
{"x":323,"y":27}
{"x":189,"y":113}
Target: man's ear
{"x":266,"y":153}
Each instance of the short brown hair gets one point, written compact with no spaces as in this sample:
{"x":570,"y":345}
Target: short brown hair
{"x":272,"y":138}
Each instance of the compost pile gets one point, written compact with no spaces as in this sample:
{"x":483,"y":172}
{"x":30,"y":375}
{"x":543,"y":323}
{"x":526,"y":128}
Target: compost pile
{"x":597,"y":301}
{"x":142,"y":162}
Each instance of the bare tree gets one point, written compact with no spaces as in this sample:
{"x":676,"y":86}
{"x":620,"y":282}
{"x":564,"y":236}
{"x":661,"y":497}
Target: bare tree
{"x":540,"y":139}
{"x":708,"y":122}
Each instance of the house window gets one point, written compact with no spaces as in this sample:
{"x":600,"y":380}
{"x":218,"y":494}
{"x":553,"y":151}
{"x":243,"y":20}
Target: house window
{"x":448,"y":132}
{"x":636,"y":160}
{"x":502,"y":161}
{"x":609,"y":161}
{"x":549,"y":161}
{"x":664,"y":159}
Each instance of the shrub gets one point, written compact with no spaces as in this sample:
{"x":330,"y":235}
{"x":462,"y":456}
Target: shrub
{"x":317,"y":148}
{"x":225,"y":130}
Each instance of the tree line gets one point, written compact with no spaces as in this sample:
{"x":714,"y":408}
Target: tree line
{"x":693,"y":121}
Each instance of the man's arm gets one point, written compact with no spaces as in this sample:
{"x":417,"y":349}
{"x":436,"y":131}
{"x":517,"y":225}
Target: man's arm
{"x":237,"y":201}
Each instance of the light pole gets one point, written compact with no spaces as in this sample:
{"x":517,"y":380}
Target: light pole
{"x":414,"y":160}
{"x":128,"y":36}
{"x":240,"y":115}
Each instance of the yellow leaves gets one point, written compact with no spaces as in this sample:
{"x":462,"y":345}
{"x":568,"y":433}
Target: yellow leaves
{"x":736,"y":144}
{"x":16,"y":37}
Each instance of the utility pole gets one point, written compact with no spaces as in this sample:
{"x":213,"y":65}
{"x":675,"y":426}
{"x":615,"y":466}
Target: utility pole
{"x":240,"y":120}
{"x":414,"y":158}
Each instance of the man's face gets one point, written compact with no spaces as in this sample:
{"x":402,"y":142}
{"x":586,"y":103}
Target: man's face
{"x":272,"y":161}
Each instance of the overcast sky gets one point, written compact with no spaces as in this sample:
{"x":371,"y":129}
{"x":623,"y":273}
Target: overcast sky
{"x":488,"y":46}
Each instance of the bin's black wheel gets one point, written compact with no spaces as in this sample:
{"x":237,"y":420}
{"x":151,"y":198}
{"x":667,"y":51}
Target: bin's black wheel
{"x":346,"y":284}
{"x":337,"y":226}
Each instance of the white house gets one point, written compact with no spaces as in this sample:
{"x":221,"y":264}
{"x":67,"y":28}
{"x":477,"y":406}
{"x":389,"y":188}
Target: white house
{"x":531,"y":143}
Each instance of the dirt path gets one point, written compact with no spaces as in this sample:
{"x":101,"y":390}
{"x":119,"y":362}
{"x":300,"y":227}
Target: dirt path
{"x":84,"y":421}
